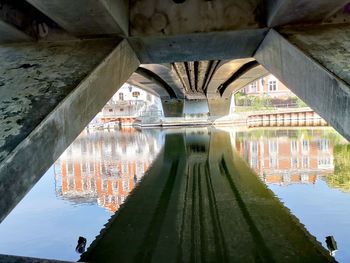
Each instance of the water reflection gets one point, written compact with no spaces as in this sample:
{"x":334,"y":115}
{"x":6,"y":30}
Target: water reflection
{"x":288,"y":156}
{"x":76,"y":196}
{"x":104,"y":167}
{"x":309,"y":170}
{"x":200,"y":202}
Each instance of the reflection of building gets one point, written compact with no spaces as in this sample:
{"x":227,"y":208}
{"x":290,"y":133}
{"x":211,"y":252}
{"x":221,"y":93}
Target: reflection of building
{"x":286,"y":160}
{"x":104,"y":167}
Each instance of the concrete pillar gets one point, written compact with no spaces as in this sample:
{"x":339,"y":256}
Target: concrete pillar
{"x":219,"y":107}
{"x":49,"y":93}
{"x":314,"y":65}
{"x":198,"y":108}
{"x":173,"y":107}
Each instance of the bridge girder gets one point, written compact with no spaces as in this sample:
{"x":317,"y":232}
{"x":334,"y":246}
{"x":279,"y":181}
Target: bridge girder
{"x":207,"y":35}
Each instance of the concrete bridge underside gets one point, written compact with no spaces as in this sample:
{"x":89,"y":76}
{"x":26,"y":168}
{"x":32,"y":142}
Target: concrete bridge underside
{"x":61,"y":61}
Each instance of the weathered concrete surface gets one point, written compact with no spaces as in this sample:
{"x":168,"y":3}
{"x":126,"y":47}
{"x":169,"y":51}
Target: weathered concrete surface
{"x":203,"y":204}
{"x":18,"y":259}
{"x":219,"y":107}
{"x":87,"y":17}
{"x":243,"y":80}
{"x":173,"y":107}
{"x":166,"y":73}
{"x":325,"y":92}
{"x":158,"y":80}
{"x":49,"y":92}
{"x":150,"y":17}
{"x":224,"y":71}
{"x":329,"y":45}
{"x":147,"y":85}
{"x":198,"y":46}
{"x":282,"y":12}
{"x":9,"y":33}
{"x":195,"y":107}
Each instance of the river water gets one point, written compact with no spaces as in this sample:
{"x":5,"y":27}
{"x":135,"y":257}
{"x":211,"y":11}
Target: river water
{"x":308,"y":171}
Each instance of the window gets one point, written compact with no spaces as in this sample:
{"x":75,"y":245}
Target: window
{"x":323,"y":145}
{"x":294,"y":145}
{"x":121,"y":96}
{"x":254,"y":147}
{"x":110,"y":110}
{"x":294,"y":162}
{"x":272,"y":85}
{"x":305,"y":161}
{"x":273,"y":162}
{"x":273,"y":147}
{"x":305,"y":145}
{"x":136,"y":94}
{"x":254,"y":162}
{"x":253,"y":87}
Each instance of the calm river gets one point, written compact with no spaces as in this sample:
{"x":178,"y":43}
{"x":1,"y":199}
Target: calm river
{"x":308,"y":171}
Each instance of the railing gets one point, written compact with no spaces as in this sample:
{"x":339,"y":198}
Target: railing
{"x":267,"y":107}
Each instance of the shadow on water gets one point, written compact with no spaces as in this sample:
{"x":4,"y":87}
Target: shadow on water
{"x":201,"y":202}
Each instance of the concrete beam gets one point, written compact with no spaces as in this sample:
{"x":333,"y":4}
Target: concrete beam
{"x":315,"y":68}
{"x":166,"y":72}
{"x":282,"y":12}
{"x":87,"y":17}
{"x":173,"y":107}
{"x":156,"y":79}
{"x":9,"y":33}
{"x":197,"y":46}
{"x":244,"y":79}
{"x":49,"y":92}
{"x":148,"y":86}
{"x":153,"y":17}
{"x":224,"y":71}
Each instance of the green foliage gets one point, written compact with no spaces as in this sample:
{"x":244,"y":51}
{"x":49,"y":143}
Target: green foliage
{"x":300,"y":103}
{"x":341,"y":177}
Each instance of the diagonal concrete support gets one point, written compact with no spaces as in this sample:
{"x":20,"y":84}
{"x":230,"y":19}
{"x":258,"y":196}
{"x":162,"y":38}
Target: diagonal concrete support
{"x":325,"y":88}
{"x":49,"y":92}
{"x":9,"y":33}
{"x":282,"y":12}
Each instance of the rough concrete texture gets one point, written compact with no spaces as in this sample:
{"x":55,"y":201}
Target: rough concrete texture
{"x":167,"y":17}
{"x":203,"y":204}
{"x":49,"y":92}
{"x":198,"y":46}
{"x":166,"y":73}
{"x":222,"y":73}
{"x":147,"y":85}
{"x":196,"y":107}
{"x":19,"y":259}
{"x":282,"y":12}
{"x":87,"y":17}
{"x":219,"y":107}
{"x":329,"y":45}
{"x":248,"y":77}
{"x":8,"y":34}
{"x":323,"y":91}
{"x":173,"y":107}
